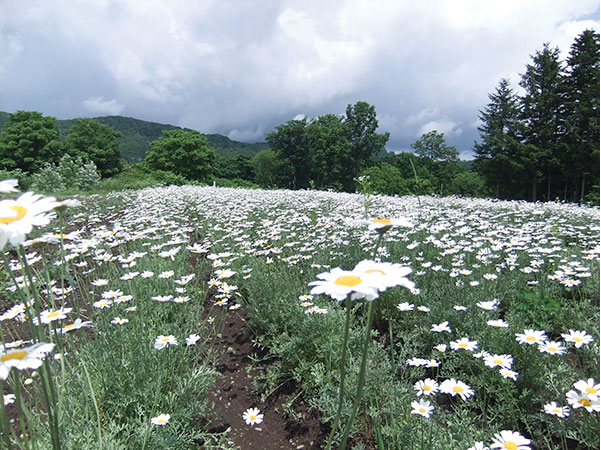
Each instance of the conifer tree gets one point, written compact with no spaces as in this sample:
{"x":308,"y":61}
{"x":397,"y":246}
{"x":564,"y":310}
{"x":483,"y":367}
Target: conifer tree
{"x":581,"y":161}
{"x":497,"y":155}
{"x":543,"y":119}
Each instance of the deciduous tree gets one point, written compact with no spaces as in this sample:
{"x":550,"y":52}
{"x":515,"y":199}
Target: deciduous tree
{"x":184,"y":153}
{"x":364,"y":142}
{"x":331,"y":161}
{"x":289,"y":142}
{"x":96,"y":142}
{"x":441,"y":159}
{"x":28,"y":141}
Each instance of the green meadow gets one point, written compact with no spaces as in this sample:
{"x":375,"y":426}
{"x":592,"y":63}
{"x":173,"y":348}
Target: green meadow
{"x":109,"y":316}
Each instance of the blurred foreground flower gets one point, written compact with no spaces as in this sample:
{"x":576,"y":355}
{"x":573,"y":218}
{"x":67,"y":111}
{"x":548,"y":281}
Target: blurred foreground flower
{"x":479,"y":445}
{"x":364,"y":281}
{"x":23,"y":358}
{"x":455,"y":387}
{"x":589,"y":387}
{"x":385,"y":275}
{"x":339,"y":283}
{"x":9,"y":186}
{"x":383,"y":225}
{"x":18,"y":217}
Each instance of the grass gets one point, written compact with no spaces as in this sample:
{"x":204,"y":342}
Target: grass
{"x":539,"y":263}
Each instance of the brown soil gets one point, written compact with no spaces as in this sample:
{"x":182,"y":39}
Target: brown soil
{"x":232,"y":395}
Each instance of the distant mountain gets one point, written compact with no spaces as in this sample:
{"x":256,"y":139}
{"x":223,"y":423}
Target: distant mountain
{"x":137,"y":134}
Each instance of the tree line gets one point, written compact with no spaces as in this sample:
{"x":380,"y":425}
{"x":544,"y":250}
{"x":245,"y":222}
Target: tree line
{"x":30,"y":140}
{"x":542,"y":144}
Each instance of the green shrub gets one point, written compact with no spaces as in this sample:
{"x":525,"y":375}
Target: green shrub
{"x":469,"y":184}
{"x":70,"y":173}
{"x":47,"y":179}
{"x":167,"y":178}
{"x":386,"y":179}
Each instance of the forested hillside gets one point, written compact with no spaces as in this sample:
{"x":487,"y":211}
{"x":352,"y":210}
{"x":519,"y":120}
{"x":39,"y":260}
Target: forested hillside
{"x":137,"y":134}
{"x":4,"y":117}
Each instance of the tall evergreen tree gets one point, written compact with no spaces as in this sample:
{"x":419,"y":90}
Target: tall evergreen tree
{"x":497,"y":155}
{"x":543,"y":118}
{"x":581,"y":161}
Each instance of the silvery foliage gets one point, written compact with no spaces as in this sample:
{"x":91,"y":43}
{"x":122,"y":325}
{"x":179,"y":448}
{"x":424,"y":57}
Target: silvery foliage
{"x":70,"y":173}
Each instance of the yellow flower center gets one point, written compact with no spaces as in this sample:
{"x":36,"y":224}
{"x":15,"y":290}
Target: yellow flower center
{"x":426,"y":388}
{"x":462,"y":345}
{"x":53,"y":314}
{"x":20,"y":214}
{"x":375,"y":271}
{"x":577,"y":339}
{"x":13,"y":355}
{"x":531,"y":338}
{"x":68,"y":327}
{"x":382,"y":221}
{"x":253,"y":418}
{"x":584,"y":402}
{"x":348,"y":280}
{"x":511,"y":445}
{"x":422,"y":410}
{"x":590,"y":390}
{"x":552,"y":349}
{"x":498,"y":362}
{"x":458,"y":389}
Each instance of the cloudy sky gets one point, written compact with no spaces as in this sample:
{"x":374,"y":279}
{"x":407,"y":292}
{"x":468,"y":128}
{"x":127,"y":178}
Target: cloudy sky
{"x":242,"y":67}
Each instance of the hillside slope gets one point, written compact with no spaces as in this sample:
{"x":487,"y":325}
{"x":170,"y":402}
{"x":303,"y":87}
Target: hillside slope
{"x":137,"y":134}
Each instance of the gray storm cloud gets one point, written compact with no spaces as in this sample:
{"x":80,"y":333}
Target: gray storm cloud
{"x":241,"y":68}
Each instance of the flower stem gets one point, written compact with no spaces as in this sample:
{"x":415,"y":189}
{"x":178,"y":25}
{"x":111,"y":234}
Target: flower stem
{"x":358,"y":394}
{"x":342,"y":370}
{"x":93,"y":395}
{"x":4,"y":420}
{"x":17,"y":378}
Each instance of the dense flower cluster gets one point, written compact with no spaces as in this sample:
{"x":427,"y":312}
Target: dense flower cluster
{"x":454,"y":240}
